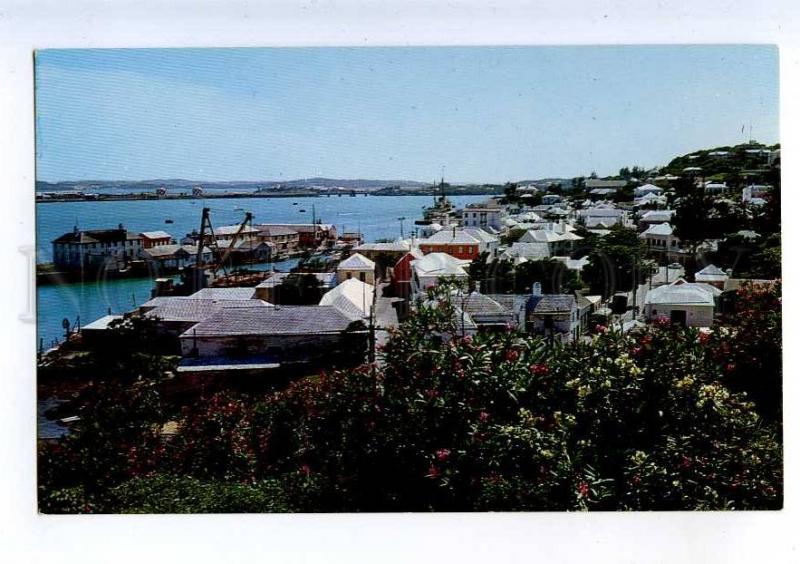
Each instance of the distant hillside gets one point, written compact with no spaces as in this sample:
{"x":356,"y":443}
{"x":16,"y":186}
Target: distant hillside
{"x":727,"y":162}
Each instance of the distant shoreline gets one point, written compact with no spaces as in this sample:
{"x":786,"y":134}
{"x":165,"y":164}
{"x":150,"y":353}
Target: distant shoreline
{"x":139,"y":197}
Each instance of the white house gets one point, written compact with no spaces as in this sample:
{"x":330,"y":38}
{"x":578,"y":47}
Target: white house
{"x":428,"y":270}
{"x":712,"y":275}
{"x":356,"y":266}
{"x":352,"y":297}
{"x":647,"y":189}
{"x":483,"y":216}
{"x":685,"y":303}
{"x":660,"y":237}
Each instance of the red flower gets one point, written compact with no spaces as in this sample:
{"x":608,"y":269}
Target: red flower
{"x":636,"y":480}
{"x":539,"y":369}
{"x":600,"y":328}
{"x":730,"y":368}
{"x":686,"y":463}
{"x":703,"y":338}
{"x":306,"y":469}
{"x":442,"y":454}
{"x":433,"y":472}
{"x":512,"y":355}
{"x":636,"y":351}
{"x":583,"y":489}
{"x":483,"y":417}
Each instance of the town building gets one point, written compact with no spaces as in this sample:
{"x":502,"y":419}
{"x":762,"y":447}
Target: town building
{"x":268,"y":289}
{"x":554,"y":316}
{"x":683,"y":303}
{"x":352,"y":297}
{"x":712,"y":275}
{"x":660,"y":237}
{"x":431,"y":268}
{"x":465,"y":244}
{"x":356,"y":266}
{"x":483,"y":216}
{"x":286,"y":334}
{"x":402,"y":273}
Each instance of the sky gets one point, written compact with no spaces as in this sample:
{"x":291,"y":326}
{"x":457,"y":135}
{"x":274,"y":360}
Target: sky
{"x":475,"y":114}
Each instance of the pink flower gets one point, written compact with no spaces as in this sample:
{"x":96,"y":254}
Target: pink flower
{"x":306,"y":469}
{"x":686,"y":463}
{"x":442,"y":454}
{"x":433,"y":472}
{"x":636,"y":351}
{"x":483,"y":417}
{"x":583,"y":489}
{"x":600,"y":328}
{"x":730,"y":368}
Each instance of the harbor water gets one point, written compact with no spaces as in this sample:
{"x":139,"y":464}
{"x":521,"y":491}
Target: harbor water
{"x":376,"y":217}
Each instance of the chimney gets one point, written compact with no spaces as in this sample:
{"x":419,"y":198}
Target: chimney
{"x":729,"y":272}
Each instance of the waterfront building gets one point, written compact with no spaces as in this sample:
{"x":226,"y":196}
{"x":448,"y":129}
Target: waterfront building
{"x":310,"y":235}
{"x":152,"y":239}
{"x":285,"y":239}
{"x":93,"y":249}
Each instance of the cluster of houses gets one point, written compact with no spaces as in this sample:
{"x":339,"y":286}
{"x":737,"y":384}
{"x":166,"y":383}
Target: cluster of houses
{"x":374,"y":284}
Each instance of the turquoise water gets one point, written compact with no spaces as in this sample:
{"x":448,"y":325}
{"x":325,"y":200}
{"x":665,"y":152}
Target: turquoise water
{"x":375,"y":216}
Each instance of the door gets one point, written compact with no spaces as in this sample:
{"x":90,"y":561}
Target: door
{"x":678,"y":316}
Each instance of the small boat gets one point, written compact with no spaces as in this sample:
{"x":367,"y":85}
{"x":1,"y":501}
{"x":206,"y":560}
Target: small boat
{"x":301,"y":211}
{"x":238,"y":209}
{"x":294,"y":203}
{"x":168,"y":221}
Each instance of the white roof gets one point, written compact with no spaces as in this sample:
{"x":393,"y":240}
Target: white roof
{"x":663,"y":229}
{"x":356,"y":261}
{"x":658,"y":215}
{"x":681,"y":292}
{"x":102,"y":323}
{"x":352,"y":297}
{"x":236,"y":293}
{"x":439,"y":264}
{"x":711,"y":273}
{"x":540,"y":236}
{"x":531,"y":251}
{"x":155,"y":234}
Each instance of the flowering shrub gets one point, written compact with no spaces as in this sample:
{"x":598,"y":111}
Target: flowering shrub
{"x":496,"y":421}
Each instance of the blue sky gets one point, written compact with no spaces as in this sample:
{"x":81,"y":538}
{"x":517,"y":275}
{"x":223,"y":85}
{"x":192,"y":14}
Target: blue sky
{"x":485,"y":114}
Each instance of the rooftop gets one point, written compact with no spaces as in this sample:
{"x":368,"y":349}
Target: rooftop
{"x":283,"y":320}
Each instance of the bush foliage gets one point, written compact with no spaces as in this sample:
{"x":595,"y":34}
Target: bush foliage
{"x":657,"y":419}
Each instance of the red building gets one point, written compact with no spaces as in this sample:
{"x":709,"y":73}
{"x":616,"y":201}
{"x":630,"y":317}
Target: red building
{"x":464,"y":244}
{"x":402,"y":273}
{"x":152,"y":239}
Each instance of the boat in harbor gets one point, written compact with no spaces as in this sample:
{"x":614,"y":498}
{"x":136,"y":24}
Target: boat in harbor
{"x":169,"y":221}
